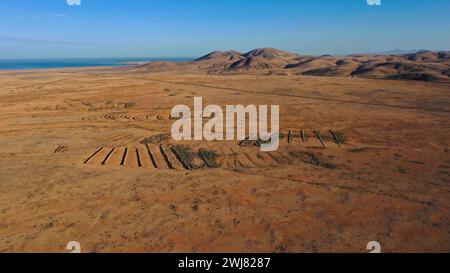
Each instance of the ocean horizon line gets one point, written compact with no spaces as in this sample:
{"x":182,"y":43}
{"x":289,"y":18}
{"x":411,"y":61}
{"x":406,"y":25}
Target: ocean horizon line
{"x":47,"y":63}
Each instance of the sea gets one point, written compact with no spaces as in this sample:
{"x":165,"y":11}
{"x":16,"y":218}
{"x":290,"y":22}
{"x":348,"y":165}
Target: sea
{"x":20,"y":64}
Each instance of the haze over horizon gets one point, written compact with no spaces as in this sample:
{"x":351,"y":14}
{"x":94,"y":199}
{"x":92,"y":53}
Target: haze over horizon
{"x":53,"y":29}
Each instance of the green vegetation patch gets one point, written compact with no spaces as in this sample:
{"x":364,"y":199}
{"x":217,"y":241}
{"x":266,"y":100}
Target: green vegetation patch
{"x":185,"y":155}
{"x":129,"y":105}
{"x":155,"y":139}
{"x":210,"y":158}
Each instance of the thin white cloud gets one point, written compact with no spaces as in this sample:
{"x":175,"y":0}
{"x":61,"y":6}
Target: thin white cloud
{"x":30,"y":40}
{"x":33,"y":15}
{"x":53,"y":15}
{"x":43,"y":15}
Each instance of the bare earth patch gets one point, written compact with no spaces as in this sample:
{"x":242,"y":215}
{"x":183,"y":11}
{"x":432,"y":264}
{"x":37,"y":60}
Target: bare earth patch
{"x":86,"y":155}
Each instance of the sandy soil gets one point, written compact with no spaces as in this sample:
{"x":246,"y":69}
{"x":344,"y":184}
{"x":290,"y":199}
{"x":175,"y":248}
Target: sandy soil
{"x":72,"y":166}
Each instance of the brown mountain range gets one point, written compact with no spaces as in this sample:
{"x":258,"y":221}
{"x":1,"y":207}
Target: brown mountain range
{"x":423,"y":65}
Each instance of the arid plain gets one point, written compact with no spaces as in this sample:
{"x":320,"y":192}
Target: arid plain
{"x":86,"y":155}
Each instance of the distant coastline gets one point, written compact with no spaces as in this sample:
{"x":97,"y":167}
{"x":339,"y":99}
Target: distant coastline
{"x":25,"y":64}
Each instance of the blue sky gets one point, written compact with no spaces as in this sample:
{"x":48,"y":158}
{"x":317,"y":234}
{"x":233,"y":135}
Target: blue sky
{"x":188,"y":28}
